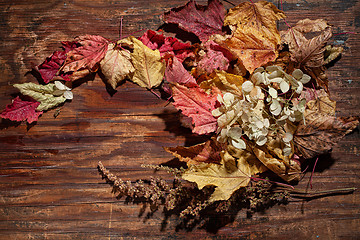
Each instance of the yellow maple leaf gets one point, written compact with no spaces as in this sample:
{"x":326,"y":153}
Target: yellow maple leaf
{"x":255,"y":37}
{"x":149,"y":67}
{"x":228,"y":176}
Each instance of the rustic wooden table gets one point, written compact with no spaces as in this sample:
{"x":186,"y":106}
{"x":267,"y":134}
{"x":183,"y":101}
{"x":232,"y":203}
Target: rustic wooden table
{"x":49,"y":185}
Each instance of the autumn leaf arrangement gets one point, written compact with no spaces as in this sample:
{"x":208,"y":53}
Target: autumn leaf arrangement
{"x":260,"y":95}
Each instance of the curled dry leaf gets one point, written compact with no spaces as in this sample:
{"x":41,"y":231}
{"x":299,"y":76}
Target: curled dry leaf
{"x":208,"y":152}
{"x":166,"y":45}
{"x":200,"y":20}
{"x":48,"y":95}
{"x":321,"y":129}
{"x":255,"y":37}
{"x":50,"y":67}
{"x":116,"y":65}
{"x":20,"y":110}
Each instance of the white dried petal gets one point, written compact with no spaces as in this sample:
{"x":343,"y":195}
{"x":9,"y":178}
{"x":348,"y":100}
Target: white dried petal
{"x":275,"y":105}
{"x":228,"y":99}
{"x":240,"y":144}
{"x":299,"y":88}
{"x":216,"y":112}
{"x":59,"y":85}
{"x":247,"y":86}
{"x":261,"y":140}
{"x":266,"y":123}
{"x":284,"y":86}
{"x":305,"y":79}
{"x":273,"y":93}
{"x":287,"y":137}
{"x":287,"y":111}
{"x":302,"y":105}
{"x":297,"y":74}
{"x":259,"y":70}
{"x":257,"y":78}
{"x":235,"y":133}
{"x":68,"y":95}
{"x":276,"y":112}
{"x":272,"y":68}
{"x":259,"y":124}
{"x":277,"y":80}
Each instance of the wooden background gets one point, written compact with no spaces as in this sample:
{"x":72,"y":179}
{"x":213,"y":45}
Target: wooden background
{"x":49,"y":185}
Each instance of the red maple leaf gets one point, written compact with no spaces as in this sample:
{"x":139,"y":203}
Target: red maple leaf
{"x":92,"y":50}
{"x":203,"y":21}
{"x":176,"y":73}
{"x":195,"y":103}
{"x":20,"y":110}
{"x":166,"y":45}
{"x":50,"y":67}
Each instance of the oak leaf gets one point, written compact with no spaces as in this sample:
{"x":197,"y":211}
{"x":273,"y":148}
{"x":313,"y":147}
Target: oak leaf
{"x":208,"y":152}
{"x":321,"y":129}
{"x":92,"y":50}
{"x":148,"y":64}
{"x":116,"y":65}
{"x":20,"y":110}
{"x":203,"y":21}
{"x":48,"y":95}
{"x":195,"y":103}
{"x":255,"y":37}
{"x":165,"y":45}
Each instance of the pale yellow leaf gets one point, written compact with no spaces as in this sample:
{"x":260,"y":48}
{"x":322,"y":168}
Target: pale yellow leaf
{"x":116,"y":65}
{"x":149,"y":67}
{"x":48,"y":95}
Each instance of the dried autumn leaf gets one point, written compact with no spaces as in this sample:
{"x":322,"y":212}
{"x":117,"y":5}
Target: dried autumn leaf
{"x":116,"y":65}
{"x":20,"y":110}
{"x":166,"y":45}
{"x":224,"y":81}
{"x":213,"y":57}
{"x":255,"y":37}
{"x":228,"y":176}
{"x":208,"y":152}
{"x":92,"y":50}
{"x":306,"y":52}
{"x":332,"y":53}
{"x":196,"y":104}
{"x":50,"y":67}
{"x":321,"y":129}
{"x":203,"y":21}
{"x":48,"y":95}
{"x":176,"y":73}
{"x":148,"y":64}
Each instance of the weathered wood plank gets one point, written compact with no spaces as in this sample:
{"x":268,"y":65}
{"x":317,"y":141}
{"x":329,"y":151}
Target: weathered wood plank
{"x":49,"y":185}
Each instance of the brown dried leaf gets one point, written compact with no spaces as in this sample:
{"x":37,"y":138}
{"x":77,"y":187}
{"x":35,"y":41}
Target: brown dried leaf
{"x":255,"y":36}
{"x":208,"y":152}
{"x":321,"y":129}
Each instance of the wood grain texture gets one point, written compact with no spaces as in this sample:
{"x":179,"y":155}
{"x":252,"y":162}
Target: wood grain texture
{"x":49,"y":185}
